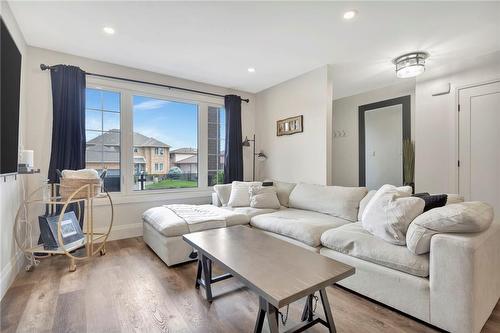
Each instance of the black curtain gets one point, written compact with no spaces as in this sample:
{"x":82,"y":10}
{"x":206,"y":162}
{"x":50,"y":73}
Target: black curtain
{"x":233,"y":159}
{"x":68,"y":124}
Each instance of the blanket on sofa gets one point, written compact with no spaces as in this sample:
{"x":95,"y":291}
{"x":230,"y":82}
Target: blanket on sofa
{"x":193,"y":214}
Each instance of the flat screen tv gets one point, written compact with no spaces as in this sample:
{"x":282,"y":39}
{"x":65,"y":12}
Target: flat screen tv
{"x":10,"y":84}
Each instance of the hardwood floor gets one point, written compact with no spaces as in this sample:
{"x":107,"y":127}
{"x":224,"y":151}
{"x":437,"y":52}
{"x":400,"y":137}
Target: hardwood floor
{"x":131,"y":290}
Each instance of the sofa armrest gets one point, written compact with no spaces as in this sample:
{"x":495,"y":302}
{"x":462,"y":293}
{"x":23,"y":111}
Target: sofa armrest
{"x":216,"y":200}
{"x":464,"y":279}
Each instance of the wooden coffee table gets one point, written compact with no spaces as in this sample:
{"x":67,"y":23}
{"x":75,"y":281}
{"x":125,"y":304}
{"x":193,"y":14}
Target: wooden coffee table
{"x":276,"y":270}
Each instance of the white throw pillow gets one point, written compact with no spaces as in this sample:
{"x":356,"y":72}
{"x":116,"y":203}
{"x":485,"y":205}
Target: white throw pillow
{"x":390,"y":212}
{"x":223,"y":192}
{"x":283,"y":190}
{"x":471,"y":216}
{"x":364,"y":202}
{"x":240,"y":194}
{"x":264,"y":197}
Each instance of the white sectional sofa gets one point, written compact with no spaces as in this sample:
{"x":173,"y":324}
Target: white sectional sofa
{"x":454,"y":287}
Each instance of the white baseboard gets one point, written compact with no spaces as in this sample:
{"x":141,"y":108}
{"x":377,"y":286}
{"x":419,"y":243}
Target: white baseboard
{"x":9,"y":272}
{"x":124,"y":231}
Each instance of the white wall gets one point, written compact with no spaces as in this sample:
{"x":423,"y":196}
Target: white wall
{"x":303,"y":156}
{"x":11,"y":189}
{"x":345,"y":161}
{"x":436,"y":146}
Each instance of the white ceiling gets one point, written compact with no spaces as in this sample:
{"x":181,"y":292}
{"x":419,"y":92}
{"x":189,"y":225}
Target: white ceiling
{"x":215,"y":42}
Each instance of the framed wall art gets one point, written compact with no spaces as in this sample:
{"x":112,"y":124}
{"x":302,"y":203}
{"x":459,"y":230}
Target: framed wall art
{"x":290,"y":126}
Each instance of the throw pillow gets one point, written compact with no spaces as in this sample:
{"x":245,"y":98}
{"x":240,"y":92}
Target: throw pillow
{"x":390,"y":212}
{"x":240,"y":195}
{"x":283,"y":190}
{"x":462,"y":217}
{"x":432,"y":201}
{"x":223,"y":192}
{"x":264,"y":197}
{"x":371,"y":193}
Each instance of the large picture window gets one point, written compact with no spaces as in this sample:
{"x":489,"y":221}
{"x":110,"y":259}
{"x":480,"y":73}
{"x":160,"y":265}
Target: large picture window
{"x":165,"y":144}
{"x":102,"y":131}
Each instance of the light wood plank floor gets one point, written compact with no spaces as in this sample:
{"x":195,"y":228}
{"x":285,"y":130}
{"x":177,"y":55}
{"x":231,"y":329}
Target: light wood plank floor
{"x":131,"y":290}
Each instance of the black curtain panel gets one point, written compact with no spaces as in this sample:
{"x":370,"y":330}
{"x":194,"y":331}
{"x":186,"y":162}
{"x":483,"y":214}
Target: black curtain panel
{"x":233,"y":159}
{"x":68,"y":124}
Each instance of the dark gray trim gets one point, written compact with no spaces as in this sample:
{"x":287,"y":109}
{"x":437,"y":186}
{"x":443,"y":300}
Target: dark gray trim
{"x":405,"y":101}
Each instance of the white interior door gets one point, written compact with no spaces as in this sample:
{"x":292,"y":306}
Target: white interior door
{"x":479,"y":144}
{"x":384,"y":146}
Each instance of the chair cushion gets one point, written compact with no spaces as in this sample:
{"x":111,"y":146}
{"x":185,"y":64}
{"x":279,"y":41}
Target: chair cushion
{"x":302,"y":225}
{"x":353,"y":240}
{"x":337,"y":201}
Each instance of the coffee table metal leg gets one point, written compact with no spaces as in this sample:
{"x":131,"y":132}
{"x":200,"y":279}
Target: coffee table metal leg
{"x":260,"y":316}
{"x":207,"y":278}
{"x":272,"y":318}
{"x":307,"y":313}
{"x":198,"y":274}
{"x":328,"y":311}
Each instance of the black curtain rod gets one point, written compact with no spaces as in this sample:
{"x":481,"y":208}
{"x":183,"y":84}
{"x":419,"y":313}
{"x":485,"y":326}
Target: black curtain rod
{"x":44,"y":67}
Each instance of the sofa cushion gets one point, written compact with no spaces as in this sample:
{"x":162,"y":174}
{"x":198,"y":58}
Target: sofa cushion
{"x":337,"y":201}
{"x":240,"y":193}
{"x":305,"y":226}
{"x":169,"y":224}
{"x":249,"y":212}
{"x":223,"y":192}
{"x":390,"y":212}
{"x":352,"y":239}
{"x":463,"y":217}
{"x":283,"y":190}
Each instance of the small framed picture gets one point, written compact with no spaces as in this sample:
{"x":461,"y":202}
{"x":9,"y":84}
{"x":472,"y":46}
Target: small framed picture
{"x":289,"y":126}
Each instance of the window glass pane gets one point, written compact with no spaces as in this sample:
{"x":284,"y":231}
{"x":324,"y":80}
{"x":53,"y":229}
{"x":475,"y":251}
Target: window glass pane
{"x":93,"y":99}
{"x":110,"y":101}
{"x":166,"y":139}
{"x":111,"y":121}
{"x":93,"y":120}
{"x":103,"y":146}
{"x":216,"y":144}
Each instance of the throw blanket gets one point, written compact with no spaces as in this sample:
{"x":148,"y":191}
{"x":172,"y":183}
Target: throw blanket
{"x":194,"y":214}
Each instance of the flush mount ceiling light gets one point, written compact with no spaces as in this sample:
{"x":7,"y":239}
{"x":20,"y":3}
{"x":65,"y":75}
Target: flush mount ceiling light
{"x":350,"y":14}
{"x":251,"y":70}
{"x":109,"y":30}
{"x":410,"y":64}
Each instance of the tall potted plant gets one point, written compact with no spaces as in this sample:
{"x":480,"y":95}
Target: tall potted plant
{"x":409,"y":163}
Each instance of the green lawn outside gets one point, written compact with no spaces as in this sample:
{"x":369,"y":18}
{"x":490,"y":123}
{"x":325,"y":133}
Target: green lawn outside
{"x":172,"y":183}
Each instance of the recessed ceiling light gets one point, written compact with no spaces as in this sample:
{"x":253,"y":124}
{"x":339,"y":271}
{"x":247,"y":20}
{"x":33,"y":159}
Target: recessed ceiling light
{"x":251,"y":70}
{"x":350,"y":14}
{"x":109,"y":30}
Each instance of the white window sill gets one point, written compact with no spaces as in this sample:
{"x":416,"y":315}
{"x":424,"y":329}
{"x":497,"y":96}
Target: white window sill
{"x":156,"y":195}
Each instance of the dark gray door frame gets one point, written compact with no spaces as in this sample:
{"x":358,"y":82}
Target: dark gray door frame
{"x":405,"y":102}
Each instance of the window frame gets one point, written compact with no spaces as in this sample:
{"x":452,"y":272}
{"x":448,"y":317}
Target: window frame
{"x":127,"y":91}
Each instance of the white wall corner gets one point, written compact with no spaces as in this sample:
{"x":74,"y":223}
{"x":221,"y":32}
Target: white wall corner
{"x":10,"y":271}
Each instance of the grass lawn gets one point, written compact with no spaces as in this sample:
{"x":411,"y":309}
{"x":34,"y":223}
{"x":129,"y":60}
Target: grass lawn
{"x":172,"y":183}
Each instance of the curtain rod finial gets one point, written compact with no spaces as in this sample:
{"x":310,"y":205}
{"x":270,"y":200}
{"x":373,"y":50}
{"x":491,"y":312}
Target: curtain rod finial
{"x":44,"y":67}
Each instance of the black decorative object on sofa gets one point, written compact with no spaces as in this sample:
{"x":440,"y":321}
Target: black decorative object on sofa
{"x":432,"y":201}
